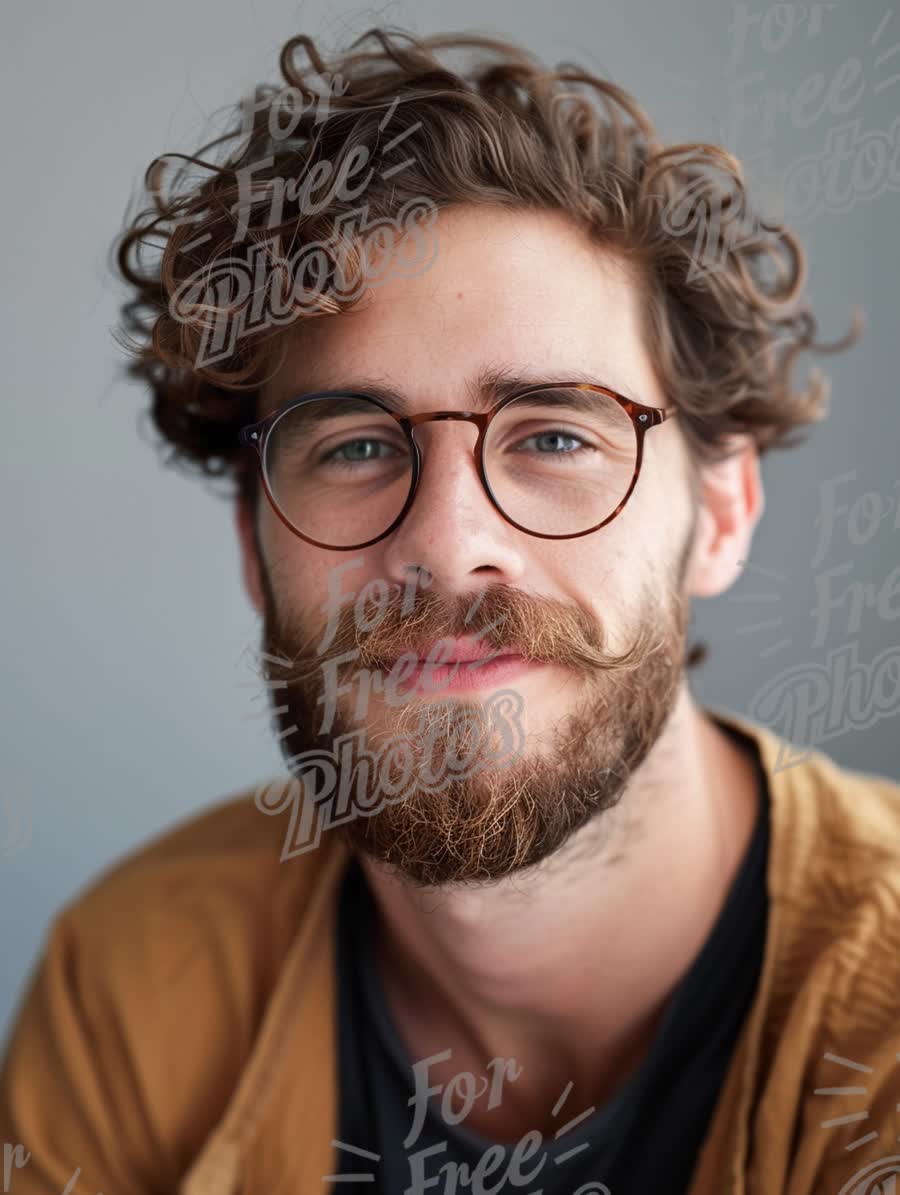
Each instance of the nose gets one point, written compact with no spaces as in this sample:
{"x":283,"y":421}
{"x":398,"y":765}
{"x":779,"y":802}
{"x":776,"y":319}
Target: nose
{"x":452,"y":528}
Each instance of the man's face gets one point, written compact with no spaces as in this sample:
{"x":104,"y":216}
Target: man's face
{"x":598,"y":623}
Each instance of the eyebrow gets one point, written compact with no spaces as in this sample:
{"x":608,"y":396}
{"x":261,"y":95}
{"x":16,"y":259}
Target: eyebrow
{"x":490,"y":386}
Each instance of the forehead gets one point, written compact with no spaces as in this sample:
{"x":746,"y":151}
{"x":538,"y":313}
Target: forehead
{"x":518,"y":293}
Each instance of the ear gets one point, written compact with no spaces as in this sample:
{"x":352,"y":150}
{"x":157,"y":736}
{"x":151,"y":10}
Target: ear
{"x":731,"y":504}
{"x":250,"y":562}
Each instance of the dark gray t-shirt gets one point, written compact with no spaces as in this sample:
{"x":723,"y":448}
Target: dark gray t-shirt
{"x":645,"y":1137}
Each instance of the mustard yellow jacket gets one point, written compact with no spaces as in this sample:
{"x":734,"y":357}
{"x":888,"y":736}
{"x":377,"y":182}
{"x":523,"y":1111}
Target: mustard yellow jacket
{"x":178,"y":1032}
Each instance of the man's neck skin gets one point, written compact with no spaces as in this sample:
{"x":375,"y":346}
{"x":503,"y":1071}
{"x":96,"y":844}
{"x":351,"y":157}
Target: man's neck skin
{"x":569,"y":972}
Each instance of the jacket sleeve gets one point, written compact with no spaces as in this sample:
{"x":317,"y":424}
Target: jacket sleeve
{"x":71,"y":1118}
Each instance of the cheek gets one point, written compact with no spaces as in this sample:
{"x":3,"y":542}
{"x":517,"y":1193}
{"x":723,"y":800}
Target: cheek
{"x":298,"y":571}
{"x":320,"y":585}
{"x":658,"y":516}
{"x":626,"y":569}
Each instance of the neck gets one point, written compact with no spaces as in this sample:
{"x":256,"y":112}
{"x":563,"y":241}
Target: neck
{"x":568,"y":967}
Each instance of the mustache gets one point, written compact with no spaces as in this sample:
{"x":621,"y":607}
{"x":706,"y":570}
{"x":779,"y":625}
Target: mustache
{"x":499,"y":617}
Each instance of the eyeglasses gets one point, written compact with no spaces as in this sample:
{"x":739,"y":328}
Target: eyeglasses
{"x":557,"y":460}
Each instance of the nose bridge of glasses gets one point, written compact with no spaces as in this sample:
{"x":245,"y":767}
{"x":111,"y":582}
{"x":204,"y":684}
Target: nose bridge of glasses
{"x":476,"y":419}
{"x":437,"y":416}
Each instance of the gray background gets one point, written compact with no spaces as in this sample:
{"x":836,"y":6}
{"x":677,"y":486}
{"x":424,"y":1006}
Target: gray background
{"x":128,"y":702}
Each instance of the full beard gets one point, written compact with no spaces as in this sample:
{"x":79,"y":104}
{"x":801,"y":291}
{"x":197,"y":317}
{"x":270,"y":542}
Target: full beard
{"x":490,"y":821}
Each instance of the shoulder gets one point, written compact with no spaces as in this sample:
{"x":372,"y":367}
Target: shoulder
{"x":166,"y":965}
{"x":826,"y":1031}
{"x":833,"y":881}
{"x":216,"y":879}
{"x":150,"y":991}
{"x":825,"y":812}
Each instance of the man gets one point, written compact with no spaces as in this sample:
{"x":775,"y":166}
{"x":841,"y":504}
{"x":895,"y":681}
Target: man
{"x":539,"y":921}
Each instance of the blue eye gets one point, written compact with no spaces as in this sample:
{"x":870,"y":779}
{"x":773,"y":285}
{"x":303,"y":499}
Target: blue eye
{"x":556,"y":435}
{"x":335,"y":457}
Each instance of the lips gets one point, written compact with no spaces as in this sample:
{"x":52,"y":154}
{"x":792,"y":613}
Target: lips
{"x":463,"y":650}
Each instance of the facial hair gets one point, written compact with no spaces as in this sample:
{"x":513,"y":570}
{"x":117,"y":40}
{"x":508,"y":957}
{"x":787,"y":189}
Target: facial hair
{"x":482,"y":826}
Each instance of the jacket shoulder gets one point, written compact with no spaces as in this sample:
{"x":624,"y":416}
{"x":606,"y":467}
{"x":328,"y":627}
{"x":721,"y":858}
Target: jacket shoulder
{"x":227,"y":857}
{"x":149,"y":994}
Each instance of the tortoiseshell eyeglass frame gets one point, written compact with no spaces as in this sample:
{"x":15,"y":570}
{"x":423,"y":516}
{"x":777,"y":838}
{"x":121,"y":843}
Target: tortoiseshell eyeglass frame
{"x":256,"y":435}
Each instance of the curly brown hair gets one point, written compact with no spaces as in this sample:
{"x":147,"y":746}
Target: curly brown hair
{"x":506,"y":131}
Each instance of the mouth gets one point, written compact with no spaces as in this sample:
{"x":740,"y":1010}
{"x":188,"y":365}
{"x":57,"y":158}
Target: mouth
{"x":452,"y":652}
{"x":457,"y":664}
